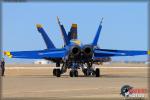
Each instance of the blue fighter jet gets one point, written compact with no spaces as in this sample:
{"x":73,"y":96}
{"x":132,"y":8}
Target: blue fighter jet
{"x":73,"y":55}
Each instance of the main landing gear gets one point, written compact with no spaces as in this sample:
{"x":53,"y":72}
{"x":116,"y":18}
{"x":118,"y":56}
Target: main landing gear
{"x":90,"y":71}
{"x":97,"y":72}
{"x":57,"y":71}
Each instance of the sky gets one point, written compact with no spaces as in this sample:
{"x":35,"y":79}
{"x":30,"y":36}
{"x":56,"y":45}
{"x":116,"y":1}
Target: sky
{"x":124,"y":25}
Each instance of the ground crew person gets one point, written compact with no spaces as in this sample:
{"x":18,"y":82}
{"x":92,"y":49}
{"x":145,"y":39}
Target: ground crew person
{"x":2,"y":66}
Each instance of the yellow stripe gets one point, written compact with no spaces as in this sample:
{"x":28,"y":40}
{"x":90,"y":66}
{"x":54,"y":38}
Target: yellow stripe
{"x":74,"y":25}
{"x":10,"y":56}
{"x":38,"y":25}
{"x":148,"y":52}
{"x":7,"y":53}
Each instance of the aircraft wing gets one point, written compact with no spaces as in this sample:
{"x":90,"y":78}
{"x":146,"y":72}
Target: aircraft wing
{"x":100,"y":53}
{"x":39,"y":54}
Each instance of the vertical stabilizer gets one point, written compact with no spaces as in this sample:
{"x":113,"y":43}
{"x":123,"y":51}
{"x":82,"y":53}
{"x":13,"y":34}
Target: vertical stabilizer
{"x":72,"y":34}
{"x":47,"y":40}
{"x":63,"y":31}
{"x":95,"y":41}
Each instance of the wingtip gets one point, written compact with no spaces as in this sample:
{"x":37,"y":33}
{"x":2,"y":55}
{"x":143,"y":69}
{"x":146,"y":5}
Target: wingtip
{"x":7,"y":53}
{"x":38,"y":25}
{"x":148,"y":52}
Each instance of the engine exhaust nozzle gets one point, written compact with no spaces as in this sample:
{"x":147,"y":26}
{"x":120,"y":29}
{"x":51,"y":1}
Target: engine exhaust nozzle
{"x":88,"y":50}
{"x":75,"y":50}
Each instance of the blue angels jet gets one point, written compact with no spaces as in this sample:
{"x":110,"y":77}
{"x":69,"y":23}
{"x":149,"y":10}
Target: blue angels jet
{"x":73,"y":55}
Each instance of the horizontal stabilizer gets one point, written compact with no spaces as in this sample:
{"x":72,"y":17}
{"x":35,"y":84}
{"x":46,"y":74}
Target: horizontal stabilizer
{"x":47,"y":40}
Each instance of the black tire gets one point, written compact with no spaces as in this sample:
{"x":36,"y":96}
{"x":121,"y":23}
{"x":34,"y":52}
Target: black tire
{"x":85,"y":72}
{"x":58,"y":72}
{"x":97,"y":72}
{"x":54,"y":72}
{"x":76,"y":73}
{"x":71,"y":73}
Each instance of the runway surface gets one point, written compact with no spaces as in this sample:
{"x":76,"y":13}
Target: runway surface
{"x":35,"y":82}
